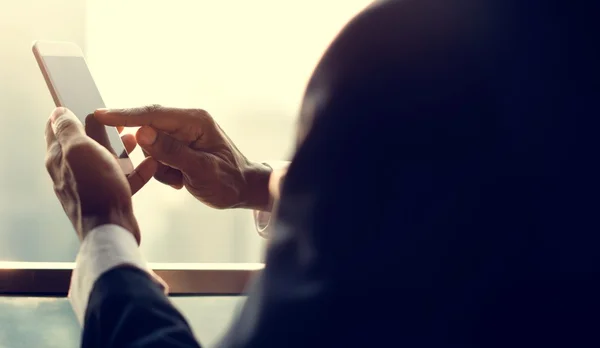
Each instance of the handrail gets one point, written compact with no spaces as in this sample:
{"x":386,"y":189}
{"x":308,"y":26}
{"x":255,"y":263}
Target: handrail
{"x":52,"y":278}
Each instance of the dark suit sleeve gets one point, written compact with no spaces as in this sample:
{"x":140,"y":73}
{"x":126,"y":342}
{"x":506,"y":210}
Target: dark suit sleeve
{"x":128,"y":309}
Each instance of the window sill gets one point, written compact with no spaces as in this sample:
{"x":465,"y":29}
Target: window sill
{"x":52,"y":278}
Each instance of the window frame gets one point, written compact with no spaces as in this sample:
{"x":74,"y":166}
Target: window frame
{"x":52,"y":279}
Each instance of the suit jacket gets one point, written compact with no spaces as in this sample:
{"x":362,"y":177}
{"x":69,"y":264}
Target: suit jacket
{"x":444,"y":192}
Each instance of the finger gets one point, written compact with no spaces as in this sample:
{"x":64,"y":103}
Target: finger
{"x":98,"y":132}
{"x":165,"y":148}
{"x":142,"y":174}
{"x":129,"y":142}
{"x":66,"y":126}
{"x":169,"y":176}
{"x":120,"y":129}
{"x":162,"y":118}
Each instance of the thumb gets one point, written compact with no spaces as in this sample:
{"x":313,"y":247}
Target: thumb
{"x":164,"y":148}
{"x":66,"y":126}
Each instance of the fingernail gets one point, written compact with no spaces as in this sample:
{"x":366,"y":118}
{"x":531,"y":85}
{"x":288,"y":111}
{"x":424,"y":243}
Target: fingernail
{"x":57,"y":113}
{"x":101,"y":111}
{"x":146,"y":136}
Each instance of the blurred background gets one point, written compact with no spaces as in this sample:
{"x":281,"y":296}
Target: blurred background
{"x":246,"y":62}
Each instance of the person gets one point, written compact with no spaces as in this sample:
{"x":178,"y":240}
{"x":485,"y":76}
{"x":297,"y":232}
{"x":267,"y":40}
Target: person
{"x":443,"y":192}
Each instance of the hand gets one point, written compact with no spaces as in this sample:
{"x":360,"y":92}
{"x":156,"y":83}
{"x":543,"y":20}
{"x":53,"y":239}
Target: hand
{"x":87,"y":178}
{"x":194,"y":152}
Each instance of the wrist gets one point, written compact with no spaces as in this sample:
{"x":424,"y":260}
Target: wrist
{"x":256,"y":194}
{"x":125,"y":219}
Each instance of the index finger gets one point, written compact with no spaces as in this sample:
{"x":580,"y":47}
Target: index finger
{"x":158,"y":117}
{"x":142,"y":174}
{"x":65,"y":126}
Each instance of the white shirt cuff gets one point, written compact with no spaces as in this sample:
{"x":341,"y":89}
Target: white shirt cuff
{"x":262,"y":219}
{"x":104,"y":248}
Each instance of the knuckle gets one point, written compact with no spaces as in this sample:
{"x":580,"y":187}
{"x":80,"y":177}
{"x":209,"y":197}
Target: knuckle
{"x":49,"y":162}
{"x":202,"y":115}
{"x":199,"y":112}
{"x":61,"y":125}
{"x":152,"y":108}
{"x":52,"y":156}
{"x":53,"y":162}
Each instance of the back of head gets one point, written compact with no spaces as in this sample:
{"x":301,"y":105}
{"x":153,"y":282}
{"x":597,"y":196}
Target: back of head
{"x":447,"y":187}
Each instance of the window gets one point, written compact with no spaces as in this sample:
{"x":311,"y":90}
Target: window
{"x":246,"y":62}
